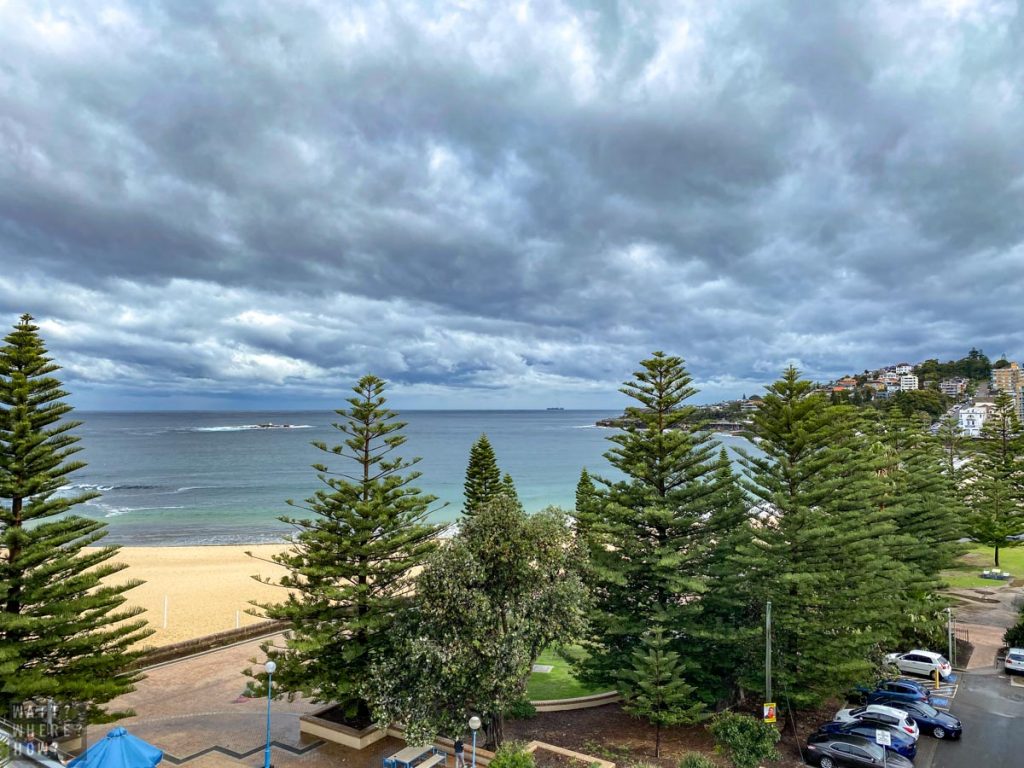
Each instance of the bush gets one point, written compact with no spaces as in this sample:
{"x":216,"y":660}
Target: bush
{"x":1014,"y":636}
{"x":521,"y":710}
{"x":513,"y":754}
{"x":745,"y":740}
{"x":696,"y":760}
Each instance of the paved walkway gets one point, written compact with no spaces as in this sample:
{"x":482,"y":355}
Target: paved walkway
{"x":192,"y":706}
{"x":986,"y":614}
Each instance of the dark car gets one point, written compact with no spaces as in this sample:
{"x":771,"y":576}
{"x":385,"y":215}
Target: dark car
{"x":903,"y":690}
{"x":941,"y":725}
{"x":830,"y":750}
{"x":902,"y":744}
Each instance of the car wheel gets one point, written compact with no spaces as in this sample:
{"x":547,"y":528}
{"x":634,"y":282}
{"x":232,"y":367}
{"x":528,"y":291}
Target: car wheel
{"x":938,"y":733}
{"x":826,"y":762}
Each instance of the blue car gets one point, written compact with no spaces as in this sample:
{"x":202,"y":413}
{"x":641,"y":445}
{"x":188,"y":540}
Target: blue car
{"x":902,"y":744}
{"x":897,"y":690}
{"x":941,"y":725}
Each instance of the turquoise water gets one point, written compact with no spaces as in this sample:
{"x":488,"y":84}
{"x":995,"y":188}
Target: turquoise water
{"x":214,"y":478}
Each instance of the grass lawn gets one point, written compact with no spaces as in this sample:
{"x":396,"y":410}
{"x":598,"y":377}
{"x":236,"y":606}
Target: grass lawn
{"x":559,"y":683}
{"x":968,"y":572}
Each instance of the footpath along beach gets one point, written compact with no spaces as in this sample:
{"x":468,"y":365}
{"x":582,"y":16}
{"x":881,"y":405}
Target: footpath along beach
{"x":207,"y":588}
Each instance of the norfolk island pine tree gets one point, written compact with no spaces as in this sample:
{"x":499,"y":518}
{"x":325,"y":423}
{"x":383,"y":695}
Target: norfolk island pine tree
{"x":646,"y":533}
{"x":350,"y":563}
{"x":65,"y":634}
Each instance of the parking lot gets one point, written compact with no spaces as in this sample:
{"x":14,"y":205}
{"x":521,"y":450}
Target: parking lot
{"x":991,"y":709}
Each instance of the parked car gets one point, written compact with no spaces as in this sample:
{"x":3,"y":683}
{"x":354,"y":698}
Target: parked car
{"x":830,"y":750}
{"x":921,"y":663}
{"x":941,"y":725}
{"x":881,"y":714}
{"x":1014,"y":661}
{"x":904,"y":690}
{"x":902,"y":743}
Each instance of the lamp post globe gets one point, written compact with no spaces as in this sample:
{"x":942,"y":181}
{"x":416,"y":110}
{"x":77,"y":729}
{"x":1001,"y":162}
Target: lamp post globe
{"x":474,"y":726}
{"x":271,"y":668}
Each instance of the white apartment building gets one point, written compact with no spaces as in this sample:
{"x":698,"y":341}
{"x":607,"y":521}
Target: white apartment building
{"x":973,"y":419}
{"x":889,"y":377}
{"x":903,"y":368}
{"x":908,"y":382}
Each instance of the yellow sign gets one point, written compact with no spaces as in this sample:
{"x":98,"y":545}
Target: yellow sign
{"x":769,"y":712}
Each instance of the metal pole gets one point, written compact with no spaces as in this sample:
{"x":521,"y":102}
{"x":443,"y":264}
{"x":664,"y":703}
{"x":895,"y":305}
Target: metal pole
{"x":949,"y":631}
{"x":270,"y":688}
{"x":474,"y":748}
{"x":768,"y":651}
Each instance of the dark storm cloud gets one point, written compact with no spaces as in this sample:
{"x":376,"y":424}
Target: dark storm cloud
{"x":250,"y":199}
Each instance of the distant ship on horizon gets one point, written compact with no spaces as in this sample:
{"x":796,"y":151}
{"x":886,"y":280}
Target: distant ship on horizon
{"x":555,"y":408}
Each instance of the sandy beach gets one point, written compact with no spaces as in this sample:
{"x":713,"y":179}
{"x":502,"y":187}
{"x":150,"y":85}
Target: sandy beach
{"x":208,"y":589}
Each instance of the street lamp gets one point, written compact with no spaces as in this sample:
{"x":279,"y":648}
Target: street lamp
{"x":271,"y":668}
{"x":474,"y":726}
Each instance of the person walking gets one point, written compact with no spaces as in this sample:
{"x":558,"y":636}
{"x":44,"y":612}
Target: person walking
{"x":460,"y":753}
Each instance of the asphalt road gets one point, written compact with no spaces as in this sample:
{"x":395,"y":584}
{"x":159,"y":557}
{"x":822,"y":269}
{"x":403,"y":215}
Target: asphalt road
{"x":992,"y":712}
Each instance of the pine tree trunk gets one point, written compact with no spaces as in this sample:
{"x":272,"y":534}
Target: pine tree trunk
{"x":657,"y":740}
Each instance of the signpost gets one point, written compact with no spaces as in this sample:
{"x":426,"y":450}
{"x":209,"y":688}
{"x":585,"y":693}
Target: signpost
{"x":769,"y":712}
{"x":885,"y":739}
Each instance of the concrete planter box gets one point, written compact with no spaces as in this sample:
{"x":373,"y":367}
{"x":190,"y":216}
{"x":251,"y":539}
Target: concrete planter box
{"x":336,"y":733}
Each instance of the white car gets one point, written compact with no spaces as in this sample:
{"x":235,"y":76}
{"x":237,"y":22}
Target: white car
{"x":921,"y":663}
{"x":890,"y":717}
{"x":1014,"y":661}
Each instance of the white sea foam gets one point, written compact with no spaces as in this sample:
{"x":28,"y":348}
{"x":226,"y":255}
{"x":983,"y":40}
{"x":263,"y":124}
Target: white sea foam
{"x":245,"y":427}
{"x":87,"y":487}
{"x":118,"y":511}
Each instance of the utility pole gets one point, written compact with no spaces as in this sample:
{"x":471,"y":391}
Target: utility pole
{"x":768,"y":651}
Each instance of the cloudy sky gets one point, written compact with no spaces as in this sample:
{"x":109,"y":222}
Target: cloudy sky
{"x":249,"y":204}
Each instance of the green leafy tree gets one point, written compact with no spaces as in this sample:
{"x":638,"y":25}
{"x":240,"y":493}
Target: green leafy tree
{"x":350,"y":563}
{"x":507,"y":586}
{"x":821,"y":551}
{"x":483,"y":478}
{"x":65,"y":633}
{"x":994,"y":483}
{"x":649,"y":529}
{"x":745,"y":740}
{"x":653,"y":688}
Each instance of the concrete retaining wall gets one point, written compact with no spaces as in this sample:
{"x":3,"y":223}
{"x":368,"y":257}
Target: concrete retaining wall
{"x":176,"y":651}
{"x":580,"y":702}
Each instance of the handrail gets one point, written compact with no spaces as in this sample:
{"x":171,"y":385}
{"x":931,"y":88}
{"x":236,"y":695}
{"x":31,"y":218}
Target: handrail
{"x":25,"y":748}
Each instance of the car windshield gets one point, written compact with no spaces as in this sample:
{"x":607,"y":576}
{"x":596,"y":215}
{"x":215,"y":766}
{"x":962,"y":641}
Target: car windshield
{"x":942,"y":660}
{"x":1016,"y":657}
{"x":927,"y":710}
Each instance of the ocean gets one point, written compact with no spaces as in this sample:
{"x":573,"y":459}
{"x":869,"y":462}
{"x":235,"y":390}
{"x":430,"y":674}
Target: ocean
{"x":188,"y":478}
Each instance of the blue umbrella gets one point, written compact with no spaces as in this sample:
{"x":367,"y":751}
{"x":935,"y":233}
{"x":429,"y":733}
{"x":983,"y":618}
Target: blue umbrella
{"x":119,"y":749}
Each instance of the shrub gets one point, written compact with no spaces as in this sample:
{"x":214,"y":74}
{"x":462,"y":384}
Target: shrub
{"x":521,"y":710}
{"x":696,"y":760}
{"x":1014,"y":636}
{"x":745,"y":740}
{"x":513,"y":754}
